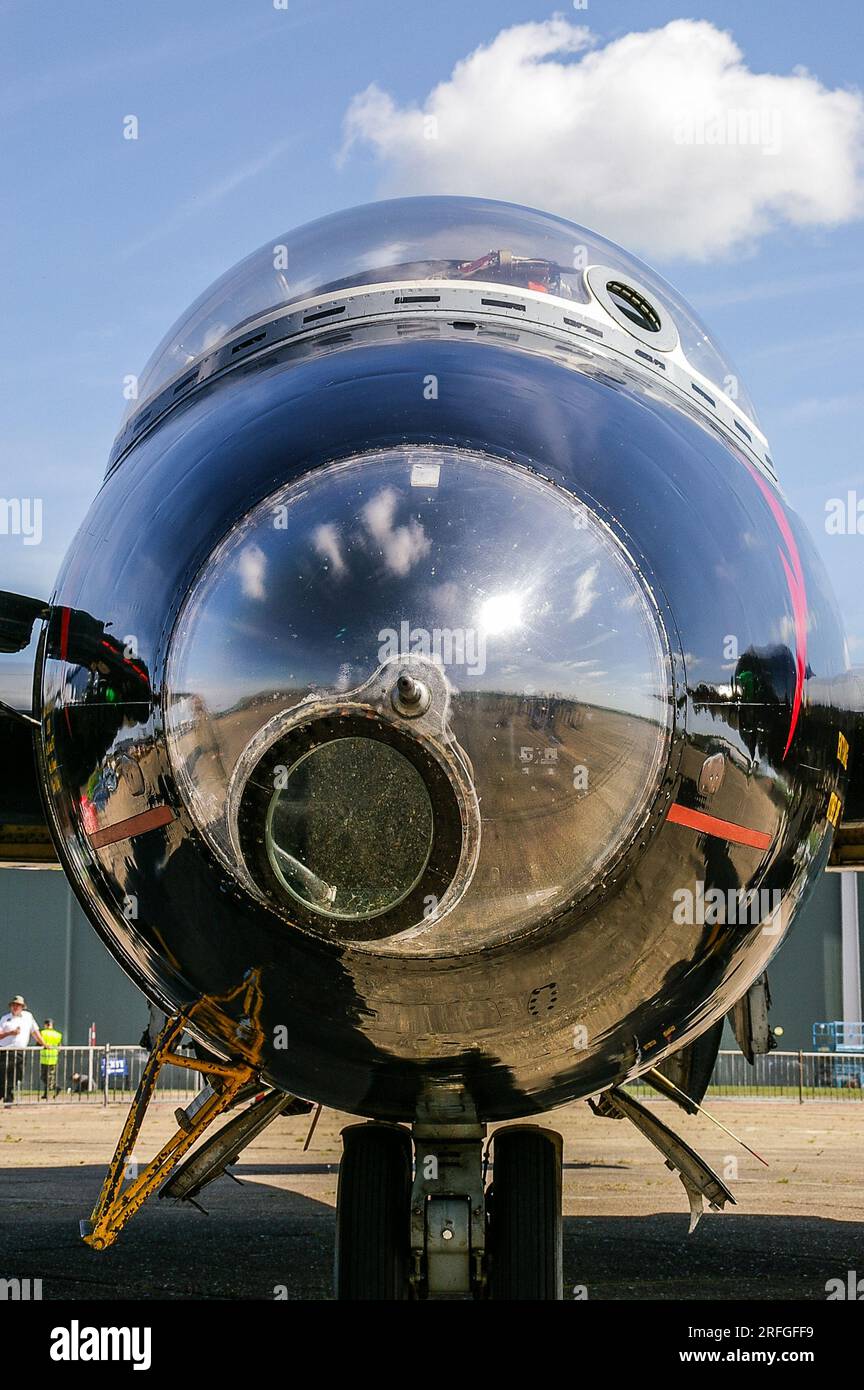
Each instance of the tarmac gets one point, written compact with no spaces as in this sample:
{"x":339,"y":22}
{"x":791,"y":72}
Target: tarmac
{"x":797,"y":1224}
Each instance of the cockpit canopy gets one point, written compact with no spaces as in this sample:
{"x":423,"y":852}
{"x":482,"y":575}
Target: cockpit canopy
{"x":472,"y":240}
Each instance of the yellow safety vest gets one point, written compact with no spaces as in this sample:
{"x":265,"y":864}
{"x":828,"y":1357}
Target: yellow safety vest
{"x":53,"y":1039}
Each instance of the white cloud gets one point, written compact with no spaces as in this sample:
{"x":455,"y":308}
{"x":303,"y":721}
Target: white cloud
{"x":584,"y":593}
{"x":665,"y":141}
{"x":251,"y":565}
{"x":326,"y":541}
{"x":401,"y":546}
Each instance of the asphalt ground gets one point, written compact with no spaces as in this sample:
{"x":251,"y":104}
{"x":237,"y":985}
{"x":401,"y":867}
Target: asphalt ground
{"x":798,"y":1223}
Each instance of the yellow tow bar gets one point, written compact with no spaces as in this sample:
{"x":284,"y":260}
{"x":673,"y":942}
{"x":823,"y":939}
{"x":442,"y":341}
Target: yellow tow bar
{"x":117,"y":1204}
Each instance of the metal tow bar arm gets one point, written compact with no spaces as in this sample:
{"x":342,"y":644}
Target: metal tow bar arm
{"x":118,"y":1204}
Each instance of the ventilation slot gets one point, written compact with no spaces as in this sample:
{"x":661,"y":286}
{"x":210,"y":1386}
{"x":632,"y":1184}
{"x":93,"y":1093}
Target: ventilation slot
{"x":417,"y":299}
{"x":502,"y":304}
{"x":585,"y":327}
{"x":704,"y":394}
{"x":185,"y":383}
{"x":746,"y":433}
{"x":648,"y":358}
{"x":249,"y":342}
{"x":324,"y":314}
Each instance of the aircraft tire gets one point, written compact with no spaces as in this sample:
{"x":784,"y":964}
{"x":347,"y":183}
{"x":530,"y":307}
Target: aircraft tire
{"x":525,"y":1227}
{"x":373,"y":1214}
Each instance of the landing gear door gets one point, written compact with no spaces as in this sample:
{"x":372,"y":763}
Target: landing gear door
{"x":749,"y":1020}
{"x":690,"y":1068}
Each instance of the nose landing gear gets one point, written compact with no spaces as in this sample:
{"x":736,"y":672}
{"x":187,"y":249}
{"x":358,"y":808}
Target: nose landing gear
{"x":442,"y":1235}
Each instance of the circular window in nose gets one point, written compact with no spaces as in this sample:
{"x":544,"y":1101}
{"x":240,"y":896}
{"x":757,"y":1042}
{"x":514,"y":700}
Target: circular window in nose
{"x":350,"y":832}
{"x":352,"y":826}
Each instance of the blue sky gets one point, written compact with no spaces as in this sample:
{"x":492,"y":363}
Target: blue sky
{"x":241,"y":111}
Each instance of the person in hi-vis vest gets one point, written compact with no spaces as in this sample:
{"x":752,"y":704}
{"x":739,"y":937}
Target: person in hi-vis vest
{"x":51,"y":1038}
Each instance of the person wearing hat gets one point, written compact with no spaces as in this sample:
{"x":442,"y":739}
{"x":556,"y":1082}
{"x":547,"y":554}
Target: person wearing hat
{"x":52,"y":1039}
{"x":16,"y":1029}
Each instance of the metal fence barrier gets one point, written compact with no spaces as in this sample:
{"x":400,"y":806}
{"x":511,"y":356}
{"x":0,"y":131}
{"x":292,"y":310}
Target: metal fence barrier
{"x":791,"y":1075}
{"x":106,"y":1075}
{"x":99,"y":1075}
{"x":784,"y":1076}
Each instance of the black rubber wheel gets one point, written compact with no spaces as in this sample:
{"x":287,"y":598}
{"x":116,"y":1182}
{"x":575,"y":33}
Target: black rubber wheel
{"x":525,"y":1236}
{"x":373,"y":1214}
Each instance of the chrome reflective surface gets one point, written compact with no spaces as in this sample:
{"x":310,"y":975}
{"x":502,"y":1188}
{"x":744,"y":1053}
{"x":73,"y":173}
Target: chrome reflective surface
{"x":187,"y":651}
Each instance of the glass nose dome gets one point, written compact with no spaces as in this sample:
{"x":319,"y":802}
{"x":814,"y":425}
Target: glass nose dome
{"x":419,"y":700}
{"x":469,"y":241}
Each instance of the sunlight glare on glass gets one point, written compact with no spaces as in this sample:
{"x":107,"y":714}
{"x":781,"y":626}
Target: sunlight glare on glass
{"x":500,"y":613}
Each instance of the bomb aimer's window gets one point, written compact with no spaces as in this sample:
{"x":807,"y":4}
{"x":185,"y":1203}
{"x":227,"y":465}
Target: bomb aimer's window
{"x":349,"y":833}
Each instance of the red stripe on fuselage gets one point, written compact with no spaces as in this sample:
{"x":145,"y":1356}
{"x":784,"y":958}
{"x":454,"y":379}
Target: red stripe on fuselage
{"x":133,"y":825}
{"x":797,"y":593}
{"x":65,"y":615}
{"x":712,"y":825}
